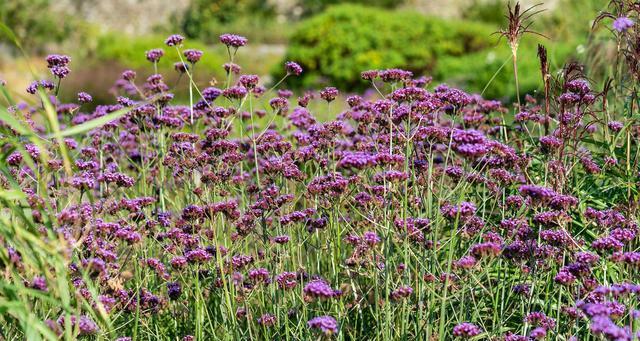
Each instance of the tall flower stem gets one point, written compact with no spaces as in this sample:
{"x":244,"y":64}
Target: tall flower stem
{"x":514,"y":52}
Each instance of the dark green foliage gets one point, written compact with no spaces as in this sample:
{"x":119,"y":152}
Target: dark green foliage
{"x":486,"y":11}
{"x":475,"y":71}
{"x":205,"y":19}
{"x":347,"y":39}
{"x":33,"y":22}
{"x":312,"y":7}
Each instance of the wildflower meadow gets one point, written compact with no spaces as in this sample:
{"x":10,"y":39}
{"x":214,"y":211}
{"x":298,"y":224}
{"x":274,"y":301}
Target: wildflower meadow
{"x":247,"y":211}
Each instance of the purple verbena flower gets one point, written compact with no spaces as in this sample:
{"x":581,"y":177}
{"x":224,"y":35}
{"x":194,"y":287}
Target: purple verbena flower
{"x":615,"y":126}
{"x":260,"y":275}
{"x":287,"y":280}
{"x":466,"y":330}
{"x":326,"y":324}
{"x":128,"y":75}
{"x":154,"y":55}
{"x":293,"y":68}
{"x":39,"y":283}
{"x":192,"y":55}
{"x":43,"y":84}
{"x":329,"y":94}
{"x":392,"y":75}
{"x":174,"y":290}
{"x":180,"y":67}
{"x":622,"y":24}
{"x":401,"y":292}
{"x":84,"y":97}
{"x":371,"y":238}
{"x":174,"y":40}
{"x":233,"y":40}
{"x":267,"y":320}
{"x":319,"y":289}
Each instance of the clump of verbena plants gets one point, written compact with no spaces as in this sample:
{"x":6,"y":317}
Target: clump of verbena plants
{"x":420,"y":212}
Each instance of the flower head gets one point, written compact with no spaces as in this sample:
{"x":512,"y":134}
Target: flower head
{"x":128,"y":75}
{"x":84,"y":97}
{"x":174,"y":40}
{"x":326,"y":324}
{"x":58,"y":65}
{"x":174,"y":290}
{"x":466,"y":330}
{"x":154,"y":55}
{"x":233,"y":40}
{"x":622,"y":24}
{"x":293,"y":68}
{"x":319,"y":288}
{"x":192,"y":55}
{"x":329,"y":94}
{"x":267,"y":320}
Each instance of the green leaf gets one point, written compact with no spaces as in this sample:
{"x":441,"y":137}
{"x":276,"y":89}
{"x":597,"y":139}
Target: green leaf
{"x":9,"y":33}
{"x":6,"y":94}
{"x":12,"y":194}
{"x":52,"y":117}
{"x":9,"y":119}
{"x":95,"y":123}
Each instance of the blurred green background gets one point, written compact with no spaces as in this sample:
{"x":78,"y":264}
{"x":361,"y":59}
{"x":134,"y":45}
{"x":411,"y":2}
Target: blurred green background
{"x":333,"y":40}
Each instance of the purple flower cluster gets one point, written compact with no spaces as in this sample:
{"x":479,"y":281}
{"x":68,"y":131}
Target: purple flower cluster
{"x":43,"y":84}
{"x":174,"y":40}
{"x":293,"y":68}
{"x":326,"y":324}
{"x":466,"y":330}
{"x":233,"y":40}
{"x":622,"y":24}
{"x":58,"y":65}
{"x":193,"y":56}
{"x":329,"y":94}
{"x":153,"y":56}
{"x":319,"y":289}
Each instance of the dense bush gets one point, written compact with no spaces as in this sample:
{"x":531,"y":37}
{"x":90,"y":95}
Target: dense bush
{"x":207,"y":19}
{"x":488,"y":11}
{"x":347,"y":39}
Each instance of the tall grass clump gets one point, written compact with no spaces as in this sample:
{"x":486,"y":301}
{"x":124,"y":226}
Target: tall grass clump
{"x":419,"y":212}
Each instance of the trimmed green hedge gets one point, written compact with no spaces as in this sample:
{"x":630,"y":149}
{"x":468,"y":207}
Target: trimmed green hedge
{"x":347,"y":39}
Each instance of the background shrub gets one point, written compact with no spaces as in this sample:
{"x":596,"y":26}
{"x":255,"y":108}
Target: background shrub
{"x":312,"y":7}
{"x":33,"y":23}
{"x":130,"y":51}
{"x":474,"y":71}
{"x":207,"y":19}
{"x":347,"y":39}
